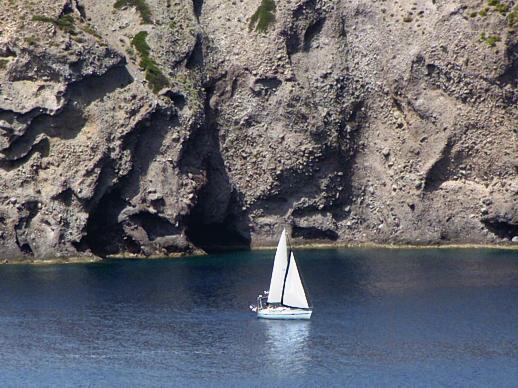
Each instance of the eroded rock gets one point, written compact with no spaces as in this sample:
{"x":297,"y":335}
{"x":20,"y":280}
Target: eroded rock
{"x":340,"y":121}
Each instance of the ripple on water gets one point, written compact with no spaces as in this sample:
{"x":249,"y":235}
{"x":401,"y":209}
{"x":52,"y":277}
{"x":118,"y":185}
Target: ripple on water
{"x":381,"y":317}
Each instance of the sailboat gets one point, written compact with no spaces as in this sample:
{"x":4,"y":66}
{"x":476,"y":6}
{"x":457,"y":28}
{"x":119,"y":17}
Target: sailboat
{"x":286,"y":298}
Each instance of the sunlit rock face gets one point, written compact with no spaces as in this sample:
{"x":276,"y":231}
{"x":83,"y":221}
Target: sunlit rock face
{"x":159,"y":127}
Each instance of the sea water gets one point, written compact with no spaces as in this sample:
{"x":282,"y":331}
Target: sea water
{"x":436,"y":317}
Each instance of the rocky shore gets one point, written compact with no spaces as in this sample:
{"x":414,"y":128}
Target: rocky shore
{"x":166,"y":127}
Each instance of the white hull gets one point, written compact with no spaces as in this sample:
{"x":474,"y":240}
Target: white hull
{"x":284,"y":313}
{"x":286,"y":288}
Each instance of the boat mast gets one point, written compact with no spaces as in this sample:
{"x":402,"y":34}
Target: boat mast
{"x":288,"y":248}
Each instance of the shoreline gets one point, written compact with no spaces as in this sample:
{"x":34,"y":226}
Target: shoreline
{"x":510,"y":246}
{"x":200,"y":253}
{"x":58,"y":260}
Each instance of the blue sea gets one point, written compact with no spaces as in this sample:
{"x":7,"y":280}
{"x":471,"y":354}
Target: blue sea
{"x":392,"y":318}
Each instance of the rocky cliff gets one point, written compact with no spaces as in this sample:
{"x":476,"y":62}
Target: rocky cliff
{"x":157,"y":127}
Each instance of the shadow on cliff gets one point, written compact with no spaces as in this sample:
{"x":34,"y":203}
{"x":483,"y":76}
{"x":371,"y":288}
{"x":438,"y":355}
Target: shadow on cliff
{"x":105,"y":230}
{"x":217,"y":222}
{"x":70,"y":120}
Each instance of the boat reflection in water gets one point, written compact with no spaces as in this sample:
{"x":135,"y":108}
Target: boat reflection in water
{"x":286,"y":347}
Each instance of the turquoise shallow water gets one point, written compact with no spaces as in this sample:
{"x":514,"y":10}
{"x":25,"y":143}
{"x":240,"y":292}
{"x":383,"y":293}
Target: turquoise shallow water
{"x":381,"y":318}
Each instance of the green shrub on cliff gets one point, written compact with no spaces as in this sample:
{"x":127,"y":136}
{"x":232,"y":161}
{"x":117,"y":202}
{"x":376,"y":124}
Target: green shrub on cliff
{"x":500,"y":7}
{"x":139,"y":41}
{"x":140,"y":5}
{"x":64,"y":23}
{"x":154,"y":76}
{"x":490,"y":40}
{"x":263,"y":17}
{"x":512,"y":18}
{"x":41,"y":18}
{"x":91,"y":30}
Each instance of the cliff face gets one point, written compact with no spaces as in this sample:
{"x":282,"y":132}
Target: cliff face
{"x":162,"y":126}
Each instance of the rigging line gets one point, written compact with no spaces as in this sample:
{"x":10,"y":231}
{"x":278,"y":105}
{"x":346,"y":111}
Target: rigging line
{"x":287,"y":268}
{"x":287,"y":240}
{"x":284,"y":283}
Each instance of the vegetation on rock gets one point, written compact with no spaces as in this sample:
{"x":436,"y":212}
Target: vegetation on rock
{"x":140,"y":5}
{"x":90,"y":30}
{"x":297,"y":126}
{"x":500,"y":7}
{"x":156,"y":79}
{"x":496,"y":5}
{"x":504,"y":10}
{"x":263,"y":17}
{"x":64,"y":23}
{"x":490,"y":40}
{"x":512,"y":18}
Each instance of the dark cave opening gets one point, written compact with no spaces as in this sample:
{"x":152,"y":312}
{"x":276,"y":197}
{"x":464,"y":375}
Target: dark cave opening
{"x":26,"y":249}
{"x":29,"y":211}
{"x":312,"y":233}
{"x":196,"y":59}
{"x":218,"y":236}
{"x":502,"y":229}
{"x":103,"y":231}
{"x":155,"y":225}
{"x":217,"y":221}
{"x":177,"y":98}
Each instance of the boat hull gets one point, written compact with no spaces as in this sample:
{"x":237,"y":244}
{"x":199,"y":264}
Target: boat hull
{"x":284,"y":313}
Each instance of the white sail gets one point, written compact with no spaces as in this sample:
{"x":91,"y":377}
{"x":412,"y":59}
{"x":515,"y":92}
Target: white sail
{"x":294,"y":295}
{"x":279,"y":270}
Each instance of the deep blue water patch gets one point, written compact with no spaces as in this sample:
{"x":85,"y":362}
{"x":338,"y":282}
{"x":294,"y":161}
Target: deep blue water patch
{"x":381,"y":318}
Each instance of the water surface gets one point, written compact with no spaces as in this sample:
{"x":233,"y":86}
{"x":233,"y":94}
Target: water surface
{"x":381,"y":317}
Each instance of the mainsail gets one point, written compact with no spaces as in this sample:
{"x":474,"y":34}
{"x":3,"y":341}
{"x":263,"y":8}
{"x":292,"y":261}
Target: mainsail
{"x":280,"y":265}
{"x":286,"y":297}
{"x":294,"y":295}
